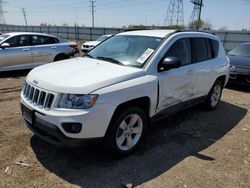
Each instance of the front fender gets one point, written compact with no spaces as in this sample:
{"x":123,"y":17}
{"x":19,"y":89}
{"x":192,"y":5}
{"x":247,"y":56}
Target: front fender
{"x":145,"y":86}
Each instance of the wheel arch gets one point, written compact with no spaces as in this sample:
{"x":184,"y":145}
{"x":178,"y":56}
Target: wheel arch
{"x":60,"y":55}
{"x":222,"y":79}
{"x":141,"y":102}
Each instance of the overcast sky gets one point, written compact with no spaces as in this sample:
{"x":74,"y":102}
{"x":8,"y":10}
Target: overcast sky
{"x":233,"y":14}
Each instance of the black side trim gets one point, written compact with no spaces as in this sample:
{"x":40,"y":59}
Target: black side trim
{"x":178,"y":107}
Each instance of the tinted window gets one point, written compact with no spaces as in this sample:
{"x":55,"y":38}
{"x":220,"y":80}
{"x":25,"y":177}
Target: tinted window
{"x":209,"y":49}
{"x":200,"y":49}
{"x":241,"y":50}
{"x":215,"y":47}
{"x":182,"y":50}
{"x":17,"y":41}
{"x":43,"y":40}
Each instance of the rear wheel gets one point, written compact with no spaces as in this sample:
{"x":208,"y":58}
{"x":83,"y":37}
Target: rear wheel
{"x":127,"y":131}
{"x":61,"y":57}
{"x":214,"y":95}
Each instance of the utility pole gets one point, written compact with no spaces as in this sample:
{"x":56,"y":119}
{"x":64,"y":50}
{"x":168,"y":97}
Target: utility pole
{"x":93,"y":12}
{"x":196,"y":14}
{"x":2,"y":19}
{"x":24,"y":15}
{"x":175,"y":13}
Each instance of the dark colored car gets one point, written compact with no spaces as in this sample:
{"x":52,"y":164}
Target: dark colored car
{"x":240,"y":64}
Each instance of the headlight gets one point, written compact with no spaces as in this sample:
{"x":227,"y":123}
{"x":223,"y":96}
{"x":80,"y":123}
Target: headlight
{"x":77,"y":101}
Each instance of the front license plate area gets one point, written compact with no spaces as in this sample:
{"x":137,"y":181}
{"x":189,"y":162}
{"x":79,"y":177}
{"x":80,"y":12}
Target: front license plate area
{"x":28,"y":114}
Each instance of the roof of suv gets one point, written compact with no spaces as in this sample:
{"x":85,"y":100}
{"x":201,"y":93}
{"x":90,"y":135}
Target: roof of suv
{"x":159,"y":32}
{"x":150,"y":33}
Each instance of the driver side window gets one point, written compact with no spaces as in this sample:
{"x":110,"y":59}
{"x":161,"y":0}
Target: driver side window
{"x":182,"y":50}
{"x":17,"y":41}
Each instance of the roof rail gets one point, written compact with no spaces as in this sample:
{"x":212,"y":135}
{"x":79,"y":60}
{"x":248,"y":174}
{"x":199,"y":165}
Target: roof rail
{"x":193,"y":30}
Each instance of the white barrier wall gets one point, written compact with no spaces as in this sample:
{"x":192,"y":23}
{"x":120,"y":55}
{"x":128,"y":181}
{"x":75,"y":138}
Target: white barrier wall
{"x":74,"y":33}
{"x":229,"y":38}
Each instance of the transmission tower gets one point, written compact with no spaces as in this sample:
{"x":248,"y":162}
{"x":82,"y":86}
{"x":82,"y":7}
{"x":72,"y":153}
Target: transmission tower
{"x":2,"y":19}
{"x":196,"y":14}
{"x":175,"y":13}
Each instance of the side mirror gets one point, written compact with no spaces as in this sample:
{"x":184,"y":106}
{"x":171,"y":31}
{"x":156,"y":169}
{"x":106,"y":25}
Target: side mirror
{"x":5,"y":45}
{"x":169,"y":63}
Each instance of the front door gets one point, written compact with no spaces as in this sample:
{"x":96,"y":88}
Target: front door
{"x":18,"y":55}
{"x":177,"y":85}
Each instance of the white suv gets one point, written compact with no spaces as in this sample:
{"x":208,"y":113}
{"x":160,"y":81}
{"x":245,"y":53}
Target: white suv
{"x":118,"y":87}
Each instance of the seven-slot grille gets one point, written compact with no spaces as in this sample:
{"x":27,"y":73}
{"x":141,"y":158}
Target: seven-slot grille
{"x":38,"y":97}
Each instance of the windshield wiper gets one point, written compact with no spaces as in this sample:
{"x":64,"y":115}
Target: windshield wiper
{"x":87,"y":55}
{"x":110,"y":60}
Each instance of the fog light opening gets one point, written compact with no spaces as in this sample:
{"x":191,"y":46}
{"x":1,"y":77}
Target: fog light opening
{"x":72,"y":127}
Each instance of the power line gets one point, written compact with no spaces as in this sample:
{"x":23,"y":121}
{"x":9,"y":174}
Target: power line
{"x":24,"y":15}
{"x":93,"y":12}
{"x":175,"y":13}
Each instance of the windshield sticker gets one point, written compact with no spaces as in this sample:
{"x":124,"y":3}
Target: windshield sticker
{"x":145,"y":55}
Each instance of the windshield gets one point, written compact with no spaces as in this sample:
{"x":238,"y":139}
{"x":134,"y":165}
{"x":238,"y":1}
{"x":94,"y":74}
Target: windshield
{"x":241,"y":50}
{"x":102,"y":38}
{"x":126,"y":49}
{"x":2,"y":37}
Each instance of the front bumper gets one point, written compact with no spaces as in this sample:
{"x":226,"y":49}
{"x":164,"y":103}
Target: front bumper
{"x":52,"y":134}
{"x":237,"y":78}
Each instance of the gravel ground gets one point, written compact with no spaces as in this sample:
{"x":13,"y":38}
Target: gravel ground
{"x":194,"y":148}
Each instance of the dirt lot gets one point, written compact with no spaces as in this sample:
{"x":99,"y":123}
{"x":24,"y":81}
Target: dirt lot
{"x":194,"y":148}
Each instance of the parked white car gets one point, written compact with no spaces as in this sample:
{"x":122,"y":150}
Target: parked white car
{"x":27,"y":50}
{"x":116,"y":89}
{"x":87,"y":46}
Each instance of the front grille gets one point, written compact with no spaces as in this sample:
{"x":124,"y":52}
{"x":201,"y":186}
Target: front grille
{"x":243,"y":70}
{"x":38,"y":97}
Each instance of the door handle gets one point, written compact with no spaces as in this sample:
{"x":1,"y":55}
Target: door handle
{"x":53,"y":47}
{"x":25,"y":49}
{"x":190,"y":72}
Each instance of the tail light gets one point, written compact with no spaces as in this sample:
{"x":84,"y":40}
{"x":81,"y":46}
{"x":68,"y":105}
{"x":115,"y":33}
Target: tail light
{"x":73,"y":46}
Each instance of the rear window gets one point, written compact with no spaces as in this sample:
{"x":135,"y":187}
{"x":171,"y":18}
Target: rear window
{"x":200,"y":49}
{"x":204,"y":49}
{"x":43,"y":40}
{"x":214,"y":47}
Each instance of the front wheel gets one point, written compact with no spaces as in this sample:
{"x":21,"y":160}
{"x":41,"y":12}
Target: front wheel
{"x":127,"y":131}
{"x":214,"y":95}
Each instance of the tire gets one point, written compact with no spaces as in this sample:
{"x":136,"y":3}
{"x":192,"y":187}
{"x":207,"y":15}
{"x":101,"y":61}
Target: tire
{"x":126,"y":131}
{"x":213,"y":98}
{"x":61,"y":57}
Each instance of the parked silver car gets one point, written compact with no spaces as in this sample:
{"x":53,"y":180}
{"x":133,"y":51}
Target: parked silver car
{"x":27,"y":50}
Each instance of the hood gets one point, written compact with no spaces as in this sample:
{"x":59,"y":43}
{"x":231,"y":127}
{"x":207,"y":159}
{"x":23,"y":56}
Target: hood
{"x":239,"y":61}
{"x":81,"y":75}
{"x":91,"y":43}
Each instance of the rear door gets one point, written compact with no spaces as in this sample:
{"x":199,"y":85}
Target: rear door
{"x":18,"y":55}
{"x":203,"y":57}
{"x":44,"y":49}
